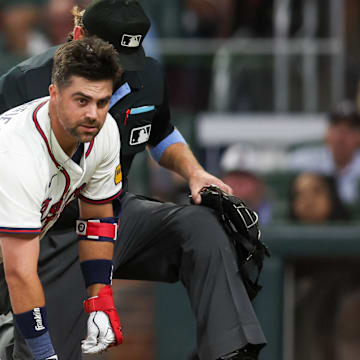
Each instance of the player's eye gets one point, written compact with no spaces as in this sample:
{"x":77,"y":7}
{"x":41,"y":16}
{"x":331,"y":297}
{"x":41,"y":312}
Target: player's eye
{"x":82,"y":101}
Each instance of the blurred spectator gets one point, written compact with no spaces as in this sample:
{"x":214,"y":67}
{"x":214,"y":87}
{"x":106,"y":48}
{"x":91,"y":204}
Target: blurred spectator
{"x":21,"y":34}
{"x":243,"y":166}
{"x":59,"y":20}
{"x":339,"y":155}
{"x":165,"y":16}
{"x":314,"y":199}
{"x":167,"y":186}
{"x":329,"y":329}
{"x":254,"y":18}
{"x":208,"y":18}
{"x":251,"y":189}
{"x":190,"y":80}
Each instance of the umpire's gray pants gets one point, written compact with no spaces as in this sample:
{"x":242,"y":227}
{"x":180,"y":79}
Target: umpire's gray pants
{"x":160,"y":242}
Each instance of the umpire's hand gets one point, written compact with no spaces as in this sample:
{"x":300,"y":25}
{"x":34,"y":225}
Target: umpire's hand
{"x":201,"y":178}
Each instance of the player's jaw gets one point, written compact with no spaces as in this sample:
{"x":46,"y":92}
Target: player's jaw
{"x":86,"y":130}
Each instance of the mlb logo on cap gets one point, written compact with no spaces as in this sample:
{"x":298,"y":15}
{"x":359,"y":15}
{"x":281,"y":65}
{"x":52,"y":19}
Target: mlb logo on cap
{"x":131,"y":41}
{"x":124,"y":24}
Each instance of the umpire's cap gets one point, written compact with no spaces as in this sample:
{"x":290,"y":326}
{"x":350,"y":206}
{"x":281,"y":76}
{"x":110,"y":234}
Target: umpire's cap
{"x":124,"y":24}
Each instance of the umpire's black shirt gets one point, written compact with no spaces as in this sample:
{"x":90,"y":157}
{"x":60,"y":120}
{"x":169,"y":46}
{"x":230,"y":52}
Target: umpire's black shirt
{"x":143,"y":109}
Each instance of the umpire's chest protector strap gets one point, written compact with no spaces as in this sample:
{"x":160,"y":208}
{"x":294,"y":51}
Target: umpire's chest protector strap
{"x":103,"y":229}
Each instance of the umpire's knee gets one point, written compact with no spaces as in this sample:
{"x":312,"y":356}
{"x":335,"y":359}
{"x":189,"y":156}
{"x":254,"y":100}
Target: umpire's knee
{"x":201,"y":231}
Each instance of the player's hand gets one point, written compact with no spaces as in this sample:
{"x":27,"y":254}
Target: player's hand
{"x":100,"y":334}
{"x":202,"y":178}
{"x":104,"y":328}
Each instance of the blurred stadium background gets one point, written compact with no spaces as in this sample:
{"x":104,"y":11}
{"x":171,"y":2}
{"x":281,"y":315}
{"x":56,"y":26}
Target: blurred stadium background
{"x":260,"y":75}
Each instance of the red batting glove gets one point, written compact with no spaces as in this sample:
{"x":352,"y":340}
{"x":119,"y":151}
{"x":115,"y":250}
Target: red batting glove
{"x":99,"y":337}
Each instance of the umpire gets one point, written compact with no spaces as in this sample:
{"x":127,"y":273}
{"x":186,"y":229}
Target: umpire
{"x":156,"y":241}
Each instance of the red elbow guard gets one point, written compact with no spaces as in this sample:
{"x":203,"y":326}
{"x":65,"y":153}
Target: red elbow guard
{"x":105,"y":302}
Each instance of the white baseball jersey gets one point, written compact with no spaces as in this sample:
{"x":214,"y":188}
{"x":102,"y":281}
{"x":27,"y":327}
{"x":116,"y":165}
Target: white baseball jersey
{"x":37,"y":178}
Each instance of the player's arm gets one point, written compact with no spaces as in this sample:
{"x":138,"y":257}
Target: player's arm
{"x":91,"y":249}
{"x":20,"y":257}
{"x":97,"y":232}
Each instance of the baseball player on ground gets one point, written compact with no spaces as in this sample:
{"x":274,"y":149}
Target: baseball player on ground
{"x":157,"y":241}
{"x":52,"y":150}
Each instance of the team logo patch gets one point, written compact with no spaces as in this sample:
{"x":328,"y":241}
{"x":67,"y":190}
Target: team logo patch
{"x":140,"y":135}
{"x":81,"y":227}
{"x":131,"y":41}
{"x":118,"y":174}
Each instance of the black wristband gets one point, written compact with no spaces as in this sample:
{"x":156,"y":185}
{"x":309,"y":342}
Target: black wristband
{"x":97,"y":271}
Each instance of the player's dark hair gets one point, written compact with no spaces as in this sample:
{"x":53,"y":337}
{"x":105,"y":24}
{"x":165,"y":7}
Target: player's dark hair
{"x":90,"y":58}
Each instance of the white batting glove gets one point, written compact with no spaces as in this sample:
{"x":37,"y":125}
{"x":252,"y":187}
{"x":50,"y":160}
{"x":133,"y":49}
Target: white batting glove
{"x":100,"y":334}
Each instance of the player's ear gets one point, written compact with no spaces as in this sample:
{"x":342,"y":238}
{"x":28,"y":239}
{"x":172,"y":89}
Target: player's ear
{"x":78,"y":33}
{"x":52,"y":90}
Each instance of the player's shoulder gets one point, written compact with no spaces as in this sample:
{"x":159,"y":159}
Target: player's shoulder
{"x":17,"y":128}
{"x":110,"y":124}
{"x":106,"y":141}
{"x":20,"y":112}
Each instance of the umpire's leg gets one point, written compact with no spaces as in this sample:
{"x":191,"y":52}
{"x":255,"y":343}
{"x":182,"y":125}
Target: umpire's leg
{"x":168,"y":242}
{"x":225,"y":318}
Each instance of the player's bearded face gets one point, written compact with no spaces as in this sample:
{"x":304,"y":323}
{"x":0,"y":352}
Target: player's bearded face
{"x":82,"y":107}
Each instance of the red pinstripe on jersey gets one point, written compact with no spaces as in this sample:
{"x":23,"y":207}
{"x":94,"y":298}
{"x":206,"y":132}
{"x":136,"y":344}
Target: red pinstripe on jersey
{"x":103,"y":201}
{"x":67,"y":177}
{"x":89,"y":148}
{"x":20,"y":230}
{"x":55,"y":207}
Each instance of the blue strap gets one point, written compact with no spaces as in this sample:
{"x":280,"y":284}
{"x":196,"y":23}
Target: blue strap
{"x":41,"y":347}
{"x":141,"y":109}
{"x":173,"y":138}
{"x":122,"y":91}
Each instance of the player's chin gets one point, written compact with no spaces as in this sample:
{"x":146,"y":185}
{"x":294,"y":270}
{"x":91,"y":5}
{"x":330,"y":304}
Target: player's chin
{"x":85,"y":137}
